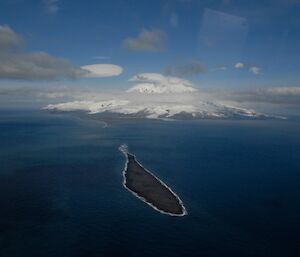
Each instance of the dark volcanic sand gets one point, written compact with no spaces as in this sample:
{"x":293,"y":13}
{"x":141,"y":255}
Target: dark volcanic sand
{"x":147,"y":186}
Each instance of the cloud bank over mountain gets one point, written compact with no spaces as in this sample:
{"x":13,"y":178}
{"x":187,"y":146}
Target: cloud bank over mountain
{"x":271,"y":95}
{"x":156,"y":83}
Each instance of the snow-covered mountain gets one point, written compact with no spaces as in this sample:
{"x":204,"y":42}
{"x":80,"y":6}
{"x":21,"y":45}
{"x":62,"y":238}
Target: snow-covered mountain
{"x":158,"y":97}
{"x":151,"y":88}
{"x":204,"y":110}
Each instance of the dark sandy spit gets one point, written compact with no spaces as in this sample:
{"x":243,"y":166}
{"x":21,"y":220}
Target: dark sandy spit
{"x":144,"y":185}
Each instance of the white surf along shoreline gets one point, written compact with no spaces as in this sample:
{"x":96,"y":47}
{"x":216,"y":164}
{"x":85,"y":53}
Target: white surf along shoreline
{"x":124,"y":149}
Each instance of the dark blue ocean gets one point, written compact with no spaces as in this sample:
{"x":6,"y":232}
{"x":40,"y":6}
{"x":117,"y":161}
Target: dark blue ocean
{"x":61,"y":190}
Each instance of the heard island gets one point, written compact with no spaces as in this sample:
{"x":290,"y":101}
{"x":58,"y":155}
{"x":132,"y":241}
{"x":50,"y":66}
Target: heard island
{"x":147,"y":187}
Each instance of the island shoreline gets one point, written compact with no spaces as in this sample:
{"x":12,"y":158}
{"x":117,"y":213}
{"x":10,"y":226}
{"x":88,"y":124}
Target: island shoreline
{"x":123,"y":149}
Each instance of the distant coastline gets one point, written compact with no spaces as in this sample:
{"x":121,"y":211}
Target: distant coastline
{"x":148,"y":188}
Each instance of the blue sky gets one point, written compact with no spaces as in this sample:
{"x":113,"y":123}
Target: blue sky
{"x":198,"y":40}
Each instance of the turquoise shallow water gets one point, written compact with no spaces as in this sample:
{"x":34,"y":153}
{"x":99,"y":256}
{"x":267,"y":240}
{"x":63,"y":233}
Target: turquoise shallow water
{"x":61,"y":190}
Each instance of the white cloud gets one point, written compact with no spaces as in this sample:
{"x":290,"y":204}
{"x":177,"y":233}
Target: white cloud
{"x":52,"y":6}
{"x":271,"y":95}
{"x":255,"y":70}
{"x":8,"y":39}
{"x":20,"y":65}
{"x":239,"y":65}
{"x":37,"y":66}
{"x":147,"y":77}
{"x":147,"y":41}
{"x":284,"y":91}
{"x":155,"y":83}
{"x":102,"y":70}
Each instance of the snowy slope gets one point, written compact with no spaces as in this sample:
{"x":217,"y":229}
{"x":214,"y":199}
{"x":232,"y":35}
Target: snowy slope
{"x":203,"y":110}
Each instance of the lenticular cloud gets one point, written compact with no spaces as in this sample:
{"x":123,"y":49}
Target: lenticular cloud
{"x":102,"y":70}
